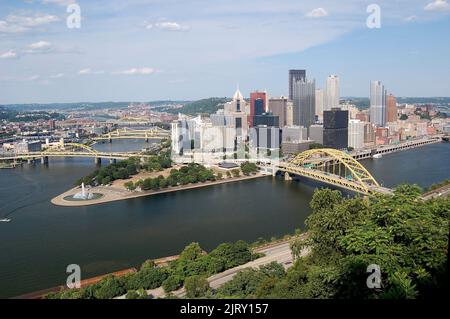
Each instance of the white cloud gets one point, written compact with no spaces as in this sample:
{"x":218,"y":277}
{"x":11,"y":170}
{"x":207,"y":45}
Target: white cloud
{"x":9,"y":55}
{"x":41,"y":45}
{"x":57,"y":76}
{"x":169,"y":26}
{"x":32,"y":78}
{"x":18,"y":24}
{"x":438,"y":5}
{"x":411,"y":18}
{"x":317,"y":13}
{"x":137,"y":71}
{"x":89,"y":71}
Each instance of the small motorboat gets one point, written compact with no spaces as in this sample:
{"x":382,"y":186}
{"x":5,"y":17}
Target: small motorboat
{"x":377,"y":156}
{"x":5,"y":220}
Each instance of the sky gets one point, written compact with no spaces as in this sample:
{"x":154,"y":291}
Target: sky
{"x":144,"y":50}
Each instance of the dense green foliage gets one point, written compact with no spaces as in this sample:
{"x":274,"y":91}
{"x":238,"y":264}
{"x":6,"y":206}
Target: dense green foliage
{"x":194,"y":261}
{"x":126,"y":168}
{"x":196,"y":286}
{"x":313,"y":146}
{"x":16,"y":116}
{"x":105,"y":175}
{"x":406,"y":236}
{"x":248,"y":168}
{"x":191,"y":268}
{"x":190,"y":174}
{"x":205,"y":106}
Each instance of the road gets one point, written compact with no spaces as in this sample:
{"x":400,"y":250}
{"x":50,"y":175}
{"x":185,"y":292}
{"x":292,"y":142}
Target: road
{"x":280,"y":253}
{"x":440,"y":192}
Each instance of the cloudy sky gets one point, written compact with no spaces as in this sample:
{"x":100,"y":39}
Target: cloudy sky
{"x":145,"y":50}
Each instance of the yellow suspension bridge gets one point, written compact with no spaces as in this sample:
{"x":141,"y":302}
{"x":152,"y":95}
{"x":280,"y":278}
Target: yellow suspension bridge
{"x":127,"y":133}
{"x":333,"y":167}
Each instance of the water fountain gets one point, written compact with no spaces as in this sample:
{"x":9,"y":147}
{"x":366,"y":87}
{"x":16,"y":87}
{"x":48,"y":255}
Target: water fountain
{"x":83,"y":195}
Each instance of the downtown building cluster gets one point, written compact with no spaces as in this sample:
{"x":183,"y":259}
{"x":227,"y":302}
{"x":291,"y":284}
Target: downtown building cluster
{"x":271,"y":127}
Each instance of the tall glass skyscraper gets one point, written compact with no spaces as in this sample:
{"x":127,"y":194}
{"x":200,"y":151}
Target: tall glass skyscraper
{"x":304,"y":97}
{"x":295,"y":75}
{"x":332,"y":95}
{"x":377,"y":103}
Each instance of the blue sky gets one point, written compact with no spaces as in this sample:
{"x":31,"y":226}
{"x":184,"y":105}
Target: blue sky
{"x":144,"y":50}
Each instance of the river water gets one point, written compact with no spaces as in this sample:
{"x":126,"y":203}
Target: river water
{"x":42,"y":239}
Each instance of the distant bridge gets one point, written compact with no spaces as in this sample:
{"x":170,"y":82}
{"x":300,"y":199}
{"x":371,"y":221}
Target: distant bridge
{"x":72,"y":150}
{"x":333,"y":167}
{"x":126,"y":133}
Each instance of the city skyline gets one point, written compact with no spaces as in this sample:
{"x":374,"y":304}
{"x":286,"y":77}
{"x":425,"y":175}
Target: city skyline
{"x":154,"y":54}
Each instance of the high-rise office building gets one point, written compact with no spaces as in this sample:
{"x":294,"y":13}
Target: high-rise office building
{"x":304,"y":98}
{"x":356,"y":134}
{"x":331,"y":93}
{"x":319,"y":105}
{"x":266,"y":119}
{"x":278,"y":107}
{"x":335,"y":128}
{"x":237,"y":104}
{"x":295,"y":75}
{"x":391,"y":106}
{"x":290,"y":113}
{"x":377,"y":103}
{"x":258,"y":105}
{"x":316,"y":133}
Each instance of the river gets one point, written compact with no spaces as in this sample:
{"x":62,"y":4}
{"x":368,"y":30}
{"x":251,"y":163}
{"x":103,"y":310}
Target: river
{"x":42,"y":239}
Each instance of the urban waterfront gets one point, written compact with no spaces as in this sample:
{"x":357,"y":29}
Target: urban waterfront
{"x":43,"y":239}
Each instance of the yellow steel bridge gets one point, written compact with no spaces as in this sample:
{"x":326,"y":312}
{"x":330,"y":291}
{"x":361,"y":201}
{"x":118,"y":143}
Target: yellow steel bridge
{"x":73,"y":150}
{"x":127,"y":133}
{"x":333,"y":167}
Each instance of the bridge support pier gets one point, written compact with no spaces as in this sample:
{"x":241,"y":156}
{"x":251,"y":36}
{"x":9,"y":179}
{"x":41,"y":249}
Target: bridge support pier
{"x":112,"y":161}
{"x":110,"y":140}
{"x":98,"y":161}
{"x":44,"y":160}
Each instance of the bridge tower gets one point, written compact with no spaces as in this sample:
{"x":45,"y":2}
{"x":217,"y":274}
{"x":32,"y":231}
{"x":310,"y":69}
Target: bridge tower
{"x":44,"y":160}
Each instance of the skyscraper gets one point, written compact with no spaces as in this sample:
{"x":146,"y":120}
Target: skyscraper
{"x":304,"y":98}
{"x":331,"y":93}
{"x":258,"y":105}
{"x":391,"y":106}
{"x":335,"y":128}
{"x":319,"y":104}
{"x":295,"y":75}
{"x":278,"y":106}
{"x":356,"y":134}
{"x":377,"y":103}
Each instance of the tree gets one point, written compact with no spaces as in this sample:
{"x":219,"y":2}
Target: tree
{"x":196,"y":286}
{"x":109,"y":287}
{"x":130,"y":186}
{"x":173,"y":282}
{"x":315,"y":146}
{"x":236,"y":172}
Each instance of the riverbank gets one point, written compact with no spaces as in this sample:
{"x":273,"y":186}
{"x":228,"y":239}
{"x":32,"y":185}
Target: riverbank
{"x":117,"y":193}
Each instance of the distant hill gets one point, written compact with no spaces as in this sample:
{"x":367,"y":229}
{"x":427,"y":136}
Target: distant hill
{"x":204,"y":106}
{"x":364,"y":102}
{"x":82,"y":105}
